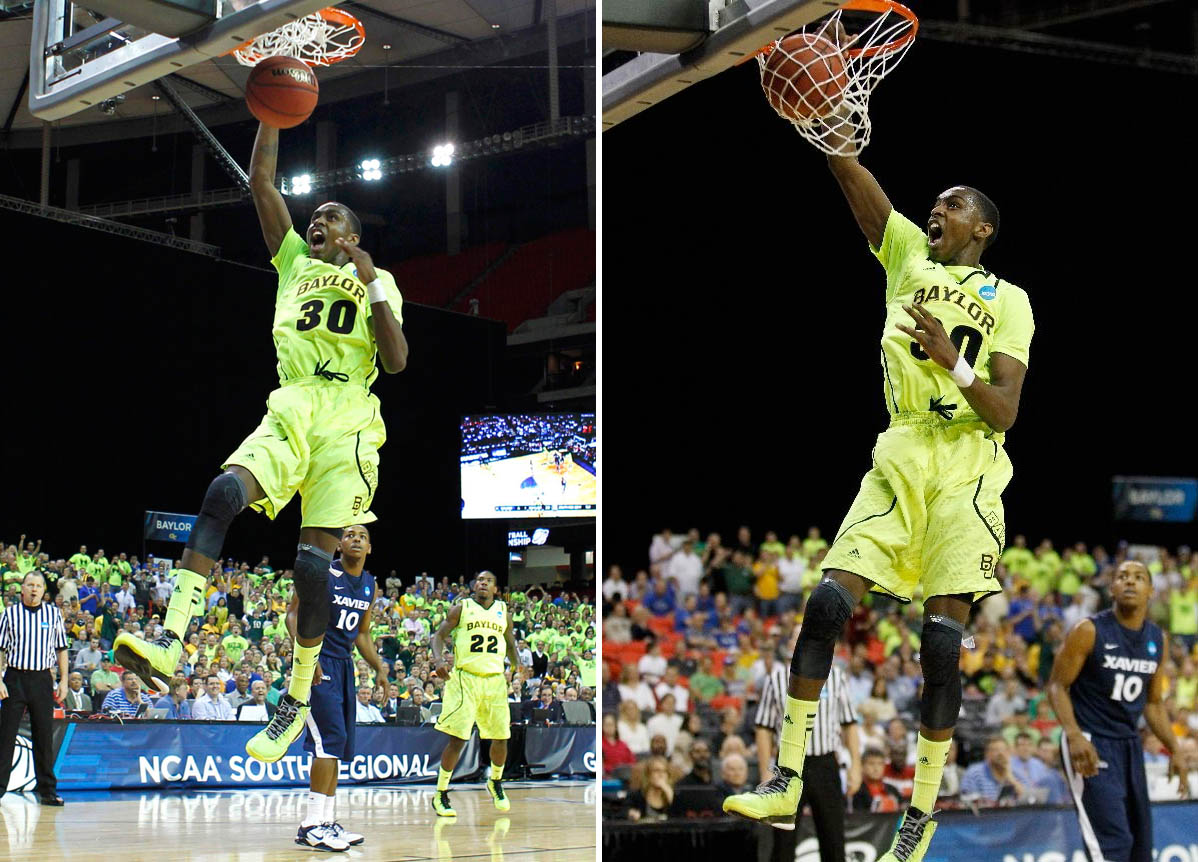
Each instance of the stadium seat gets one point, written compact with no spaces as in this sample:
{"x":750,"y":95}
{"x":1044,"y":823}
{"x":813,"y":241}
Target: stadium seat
{"x":723,"y":701}
{"x":576,"y":712}
{"x":661,"y":626}
{"x":634,"y":650}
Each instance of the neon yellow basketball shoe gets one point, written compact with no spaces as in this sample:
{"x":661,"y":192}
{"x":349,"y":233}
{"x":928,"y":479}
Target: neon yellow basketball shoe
{"x":271,"y":743}
{"x":495,"y":788}
{"x":154,"y":662}
{"x":774,"y":802}
{"x":912,"y":839}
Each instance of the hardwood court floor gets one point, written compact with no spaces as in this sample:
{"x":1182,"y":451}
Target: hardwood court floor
{"x":551,"y":821}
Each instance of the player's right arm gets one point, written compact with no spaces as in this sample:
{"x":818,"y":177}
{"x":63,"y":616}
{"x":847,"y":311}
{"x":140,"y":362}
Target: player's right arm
{"x":439,"y":636}
{"x":871,"y":208}
{"x":272,"y":209}
{"x":1065,"y":668}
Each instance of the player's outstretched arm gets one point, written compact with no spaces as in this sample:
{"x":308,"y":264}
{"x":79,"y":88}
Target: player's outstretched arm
{"x":1158,"y":721}
{"x":871,"y":208}
{"x":272,"y":209}
{"x":451,"y":622}
{"x":1065,"y":667}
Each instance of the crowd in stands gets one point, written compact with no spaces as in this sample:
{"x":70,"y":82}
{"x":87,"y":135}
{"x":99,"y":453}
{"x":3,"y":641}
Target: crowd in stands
{"x":685,"y":640}
{"x":530,"y":434}
{"x":236,"y":659}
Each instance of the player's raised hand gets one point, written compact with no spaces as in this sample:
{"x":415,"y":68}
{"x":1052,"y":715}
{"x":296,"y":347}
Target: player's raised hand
{"x":1084,"y":755}
{"x":930,"y":334}
{"x":360,"y":257}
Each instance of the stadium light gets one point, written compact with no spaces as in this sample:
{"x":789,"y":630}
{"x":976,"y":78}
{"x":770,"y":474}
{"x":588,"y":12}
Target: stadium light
{"x":300,"y":185}
{"x":370,"y":170}
{"x":442,"y":156}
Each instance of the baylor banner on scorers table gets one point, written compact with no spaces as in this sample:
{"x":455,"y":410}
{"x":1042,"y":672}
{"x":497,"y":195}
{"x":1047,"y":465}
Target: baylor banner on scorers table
{"x":93,"y":755}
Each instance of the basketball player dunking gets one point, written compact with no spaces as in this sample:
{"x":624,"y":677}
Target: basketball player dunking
{"x":929,"y":514}
{"x":334,"y":311}
{"x":477,"y":690}
{"x":1108,"y":674}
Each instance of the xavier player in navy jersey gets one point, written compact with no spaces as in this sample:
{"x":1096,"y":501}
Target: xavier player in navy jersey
{"x":1106,"y":676}
{"x":330,"y":724}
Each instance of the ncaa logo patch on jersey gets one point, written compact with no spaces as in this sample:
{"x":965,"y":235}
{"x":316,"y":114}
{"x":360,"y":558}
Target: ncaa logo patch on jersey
{"x":1152,"y":647}
{"x":988,"y":291}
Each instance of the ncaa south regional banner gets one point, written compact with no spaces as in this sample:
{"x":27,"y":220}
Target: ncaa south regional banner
{"x":106,"y":755}
{"x":168,"y":527}
{"x":1154,"y":498}
{"x":560,"y":750}
{"x":1033,"y":834}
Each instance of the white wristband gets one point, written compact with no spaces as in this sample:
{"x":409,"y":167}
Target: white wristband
{"x":376,"y":292}
{"x":962,"y":374}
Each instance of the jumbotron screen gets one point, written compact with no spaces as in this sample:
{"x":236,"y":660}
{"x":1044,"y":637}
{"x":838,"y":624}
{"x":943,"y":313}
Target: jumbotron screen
{"x":529,"y":466}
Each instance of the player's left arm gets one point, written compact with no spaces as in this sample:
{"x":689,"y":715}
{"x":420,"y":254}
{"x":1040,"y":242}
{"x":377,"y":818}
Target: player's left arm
{"x":388,"y":334}
{"x":1158,"y":721}
{"x":366,"y":647}
{"x":513,"y":653}
{"x":996,"y":402}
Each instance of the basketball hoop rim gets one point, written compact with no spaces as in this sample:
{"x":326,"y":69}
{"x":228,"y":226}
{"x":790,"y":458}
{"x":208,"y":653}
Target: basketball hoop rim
{"x":879,"y":6}
{"x":331,"y":14}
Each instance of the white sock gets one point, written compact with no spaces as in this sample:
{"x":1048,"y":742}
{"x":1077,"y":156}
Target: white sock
{"x":315,"y":814}
{"x":330,"y":809}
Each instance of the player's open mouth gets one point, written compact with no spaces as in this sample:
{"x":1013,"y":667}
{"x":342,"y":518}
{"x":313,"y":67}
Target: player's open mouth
{"x":935,"y":232}
{"x":316,"y":238}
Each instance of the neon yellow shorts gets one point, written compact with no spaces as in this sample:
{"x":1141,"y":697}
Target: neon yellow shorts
{"x":322,"y":440}
{"x":929,"y":512}
{"x":470,"y":700}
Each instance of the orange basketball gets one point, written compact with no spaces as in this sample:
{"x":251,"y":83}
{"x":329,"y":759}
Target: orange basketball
{"x":282,"y":92}
{"x":804,"y":77}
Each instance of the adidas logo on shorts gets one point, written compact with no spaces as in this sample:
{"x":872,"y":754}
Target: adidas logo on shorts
{"x":855,"y":554}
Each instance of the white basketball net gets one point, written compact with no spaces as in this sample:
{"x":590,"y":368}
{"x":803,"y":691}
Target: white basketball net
{"x":313,"y":39}
{"x":868,"y":56}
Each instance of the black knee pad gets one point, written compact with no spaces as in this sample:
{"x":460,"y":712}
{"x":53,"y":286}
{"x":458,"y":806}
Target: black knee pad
{"x":225,"y":498}
{"x":311,"y":582}
{"x":940,"y":657}
{"x":828,"y":609}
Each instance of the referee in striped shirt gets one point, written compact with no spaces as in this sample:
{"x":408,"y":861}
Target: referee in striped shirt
{"x":835,"y":721}
{"x":32,"y":639}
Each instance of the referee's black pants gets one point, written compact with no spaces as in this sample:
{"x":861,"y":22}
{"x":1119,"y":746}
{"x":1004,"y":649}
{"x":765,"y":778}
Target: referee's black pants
{"x":33,"y":689}
{"x":822,"y":791}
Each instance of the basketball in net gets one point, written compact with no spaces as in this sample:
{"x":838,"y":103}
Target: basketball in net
{"x":282,"y":92}
{"x":804,"y":77}
{"x":820,"y":79}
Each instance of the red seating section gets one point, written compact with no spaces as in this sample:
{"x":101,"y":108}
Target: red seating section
{"x":519,"y":289}
{"x":436,"y":279}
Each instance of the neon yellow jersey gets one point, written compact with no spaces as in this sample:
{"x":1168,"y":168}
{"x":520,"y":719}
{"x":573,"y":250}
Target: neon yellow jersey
{"x":478,"y":642}
{"x":322,"y":317}
{"x":981,"y":313}
{"x":1183,"y":613}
